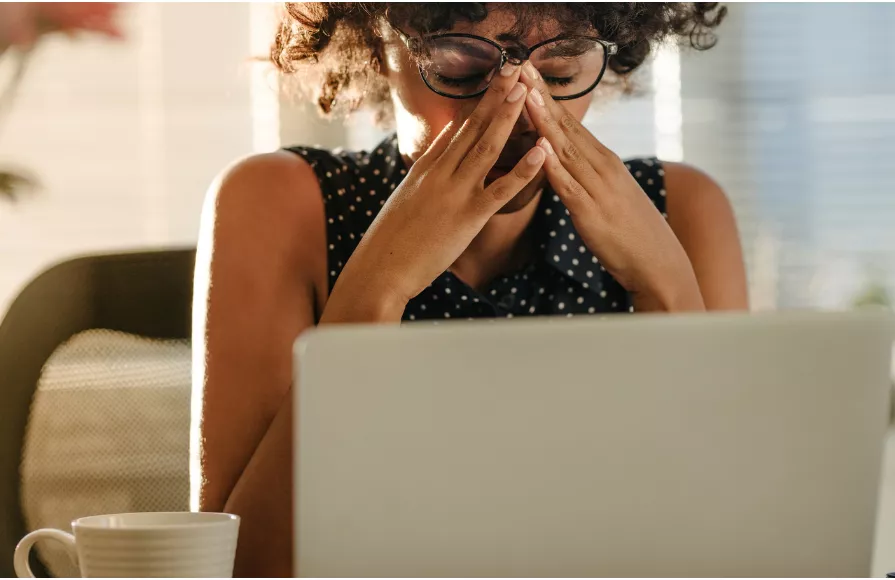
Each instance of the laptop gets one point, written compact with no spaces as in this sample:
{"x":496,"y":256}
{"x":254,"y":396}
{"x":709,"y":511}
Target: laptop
{"x":695,"y":445}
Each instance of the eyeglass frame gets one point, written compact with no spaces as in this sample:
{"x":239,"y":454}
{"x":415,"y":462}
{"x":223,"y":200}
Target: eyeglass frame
{"x":609,"y":49}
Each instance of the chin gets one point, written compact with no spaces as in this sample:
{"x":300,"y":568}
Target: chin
{"x":525,"y":197}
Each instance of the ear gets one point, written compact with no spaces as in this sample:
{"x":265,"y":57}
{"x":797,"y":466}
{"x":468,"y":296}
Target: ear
{"x":390,"y":56}
{"x":378,"y":63}
{"x":387,"y":49}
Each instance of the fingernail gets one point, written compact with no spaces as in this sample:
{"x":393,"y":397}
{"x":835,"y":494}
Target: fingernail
{"x":535,"y":95}
{"x":517,"y":93}
{"x":535,"y":156}
{"x":543,"y":142}
{"x":529,"y":70}
{"x":508,"y":69}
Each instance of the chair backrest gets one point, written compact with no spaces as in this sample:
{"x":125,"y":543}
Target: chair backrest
{"x":110,"y":314}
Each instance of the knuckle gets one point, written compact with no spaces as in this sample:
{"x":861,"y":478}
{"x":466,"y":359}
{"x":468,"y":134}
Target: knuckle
{"x":435,"y":173}
{"x":572,"y":188}
{"x":454,"y":124}
{"x":520,"y":173}
{"x":551,"y":121}
{"x":474,"y":122}
{"x":567,"y":122}
{"x":610,"y":157}
{"x":481,"y":150}
{"x":507,"y":114}
{"x":570,"y":152}
{"x":500,"y":89}
{"x":501,"y":192}
{"x":611,"y":165}
{"x":615,"y":160}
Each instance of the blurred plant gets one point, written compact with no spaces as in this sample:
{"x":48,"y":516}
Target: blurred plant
{"x":873,"y":294}
{"x":875,"y":290}
{"x":22,"y":26}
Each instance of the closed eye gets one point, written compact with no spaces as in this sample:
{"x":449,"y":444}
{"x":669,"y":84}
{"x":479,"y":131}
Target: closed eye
{"x":459,"y":81}
{"x":558,"y":81}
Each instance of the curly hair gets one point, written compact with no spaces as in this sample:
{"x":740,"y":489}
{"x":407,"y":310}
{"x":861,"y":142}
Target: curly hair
{"x":337,"y":47}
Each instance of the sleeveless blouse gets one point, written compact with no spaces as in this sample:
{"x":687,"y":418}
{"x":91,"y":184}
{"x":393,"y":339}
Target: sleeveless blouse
{"x":562,"y":278}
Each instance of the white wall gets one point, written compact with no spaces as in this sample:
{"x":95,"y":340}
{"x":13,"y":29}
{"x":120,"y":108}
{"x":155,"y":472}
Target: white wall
{"x":126,"y":136}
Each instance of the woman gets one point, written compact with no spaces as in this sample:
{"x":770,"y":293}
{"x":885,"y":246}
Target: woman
{"x":491,"y":200}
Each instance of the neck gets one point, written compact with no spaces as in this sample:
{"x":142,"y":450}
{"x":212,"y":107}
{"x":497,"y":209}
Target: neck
{"x":502,"y":246}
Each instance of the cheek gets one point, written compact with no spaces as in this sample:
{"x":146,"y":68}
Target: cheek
{"x":578,"y":108}
{"x":420,"y":114}
{"x":416,"y":105}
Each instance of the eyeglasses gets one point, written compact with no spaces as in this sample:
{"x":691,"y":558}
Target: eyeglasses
{"x":461,"y":66}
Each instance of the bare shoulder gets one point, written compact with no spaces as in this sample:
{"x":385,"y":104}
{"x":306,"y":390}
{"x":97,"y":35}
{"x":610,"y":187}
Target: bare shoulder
{"x":702,"y":218}
{"x":265,"y":190}
{"x":692,"y":193}
{"x":259,"y":263}
{"x":696,"y":204}
{"x":264,"y":215}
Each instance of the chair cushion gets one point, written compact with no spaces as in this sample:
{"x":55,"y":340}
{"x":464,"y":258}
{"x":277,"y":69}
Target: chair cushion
{"x":108,"y":432}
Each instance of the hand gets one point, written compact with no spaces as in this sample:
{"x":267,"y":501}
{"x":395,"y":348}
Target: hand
{"x":440,"y":206}
{"x":616,"y":220}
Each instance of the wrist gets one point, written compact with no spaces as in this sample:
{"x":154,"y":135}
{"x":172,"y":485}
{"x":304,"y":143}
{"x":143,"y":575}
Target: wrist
{"x":677,"y":292}
{"x":362,"y":303}
{"x":685,"y":299}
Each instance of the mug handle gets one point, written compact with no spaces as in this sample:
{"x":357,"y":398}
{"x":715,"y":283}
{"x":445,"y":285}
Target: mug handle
{"x":23,"y":549}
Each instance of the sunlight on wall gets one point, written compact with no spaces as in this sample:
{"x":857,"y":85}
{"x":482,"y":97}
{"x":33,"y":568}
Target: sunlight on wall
{"x":264,"y":84}
{"x":668,"y":116}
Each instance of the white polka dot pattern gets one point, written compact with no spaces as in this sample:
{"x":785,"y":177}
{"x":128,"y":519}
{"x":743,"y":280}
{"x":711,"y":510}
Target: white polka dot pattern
{"x":563,"y":278}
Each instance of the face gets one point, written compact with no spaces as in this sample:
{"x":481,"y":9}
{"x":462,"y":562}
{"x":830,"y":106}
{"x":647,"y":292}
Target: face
{"x":421,"y":114}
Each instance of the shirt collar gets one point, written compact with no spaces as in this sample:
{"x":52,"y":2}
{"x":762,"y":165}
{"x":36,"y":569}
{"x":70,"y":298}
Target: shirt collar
{"x":562,"y":246}
{"x":558,"y":239}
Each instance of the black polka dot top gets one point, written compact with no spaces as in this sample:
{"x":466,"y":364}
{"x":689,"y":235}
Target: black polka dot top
{"x":563,"y":278}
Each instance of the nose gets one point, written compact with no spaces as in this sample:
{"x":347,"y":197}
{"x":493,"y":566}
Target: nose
{"x":524,"y":126}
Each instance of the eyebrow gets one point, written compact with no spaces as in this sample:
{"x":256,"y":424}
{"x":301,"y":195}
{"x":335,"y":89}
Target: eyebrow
{"x":507,"y":37}
{"x":473,"y":49}
{"x":568,"y":47}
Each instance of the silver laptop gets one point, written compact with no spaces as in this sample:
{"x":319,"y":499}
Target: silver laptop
{"x":707,"y":445}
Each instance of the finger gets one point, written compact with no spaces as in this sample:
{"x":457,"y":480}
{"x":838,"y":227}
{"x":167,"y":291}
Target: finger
{"x":573,"y":195}
{"x":505,"y":188}
{"x":573,"y":128}
{"x":482,"y":156}
{"x":441,"y":142}
{"x":582,"y":154}
{"x":480,"y":118}
{"x":571,"y":154}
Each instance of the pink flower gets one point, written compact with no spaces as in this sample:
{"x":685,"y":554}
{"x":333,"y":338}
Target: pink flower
{"x":22,"y":23}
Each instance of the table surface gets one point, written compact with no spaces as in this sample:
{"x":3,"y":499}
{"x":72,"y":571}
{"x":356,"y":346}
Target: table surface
{"x":96,"y":453}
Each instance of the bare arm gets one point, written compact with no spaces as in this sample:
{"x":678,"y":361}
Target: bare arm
{"x":261,"y":276}
{"x":701,"y":217}
{"x":258,"y":267}
{"x":703,"y":222}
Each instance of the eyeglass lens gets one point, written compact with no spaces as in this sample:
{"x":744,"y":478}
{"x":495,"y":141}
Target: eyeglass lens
{"x":461,"y":66}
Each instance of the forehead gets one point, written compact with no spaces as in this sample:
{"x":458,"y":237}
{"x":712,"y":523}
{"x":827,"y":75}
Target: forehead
{"x":508,"y":24}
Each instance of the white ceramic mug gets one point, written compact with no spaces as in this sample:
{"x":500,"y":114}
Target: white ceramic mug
{"x":152,"y":544}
